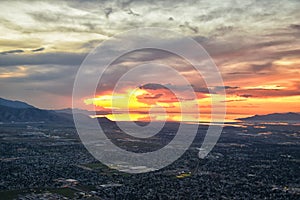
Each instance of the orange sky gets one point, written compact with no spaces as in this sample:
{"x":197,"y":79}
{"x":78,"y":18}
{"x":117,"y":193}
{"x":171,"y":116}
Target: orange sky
{"x":250,"y":95}
{"x":252,"y":87}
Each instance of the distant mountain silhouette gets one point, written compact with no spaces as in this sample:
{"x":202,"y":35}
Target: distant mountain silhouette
{"x":274,"y":117}
{"x":14,"y":104}
{"x":81,"y":111}
{"x":17,"y":111}
{"x":75,"y":111}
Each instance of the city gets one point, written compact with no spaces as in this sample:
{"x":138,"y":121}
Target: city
{"x":249,"y":161}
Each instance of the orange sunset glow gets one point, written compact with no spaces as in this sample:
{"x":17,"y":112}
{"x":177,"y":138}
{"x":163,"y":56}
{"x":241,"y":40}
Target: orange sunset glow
{"x":251,"y":88}
{"x":236,"y":107}
{"x":242,"y":101}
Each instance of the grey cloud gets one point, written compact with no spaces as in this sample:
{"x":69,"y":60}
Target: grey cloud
{"x":42,"y":59}
{"x":130,"y":12}
{"x":47,"y":17}
{"x":64,"y":22}
{"x":227,"y":87}
{"x":293,"y":52}
{"x":148,"y":96}
{"x":37,"y":73}
{"x":200,"y":89}
{"x":125,"y":3}
{"x":263,"y":92}
{"x":39,"y":49}
{"x":153,"y":86}
{"x":11,"y":52}
{"x":54,"y":79}
{"x":295,"y":26}
{"x":8,"y":24}
{"x":187,"y":25}
{"x":217,"y":89}
{"x":223,"y":30}
{"x":227,"y":101}
{"x":91,"y":44}
{"x":221,"y":17}
{"x":262,"y":68}
{"x":230,"y":87}
{"x":271,"y":43}
{"x":201,"y":39}
{"x":246,"y":95}
{"x":108,"y":11}
{"x":144,"y":55}
{"x":206,"y":18}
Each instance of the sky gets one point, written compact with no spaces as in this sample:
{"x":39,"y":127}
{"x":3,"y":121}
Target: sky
{"x":254,"y":44}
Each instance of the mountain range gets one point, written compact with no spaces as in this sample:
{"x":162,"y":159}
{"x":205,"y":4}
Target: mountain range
{"x":14,"y":104}
{"x":274,"y":117}
{"x":18,"y":111}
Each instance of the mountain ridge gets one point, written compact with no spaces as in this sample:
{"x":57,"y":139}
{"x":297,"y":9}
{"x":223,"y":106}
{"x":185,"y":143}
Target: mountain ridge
{"x":18,"y":111}
{"x":274,"y":117}
{"x":14,"y":103}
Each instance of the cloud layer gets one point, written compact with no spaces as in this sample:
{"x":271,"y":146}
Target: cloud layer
{"x":255,"y":44}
